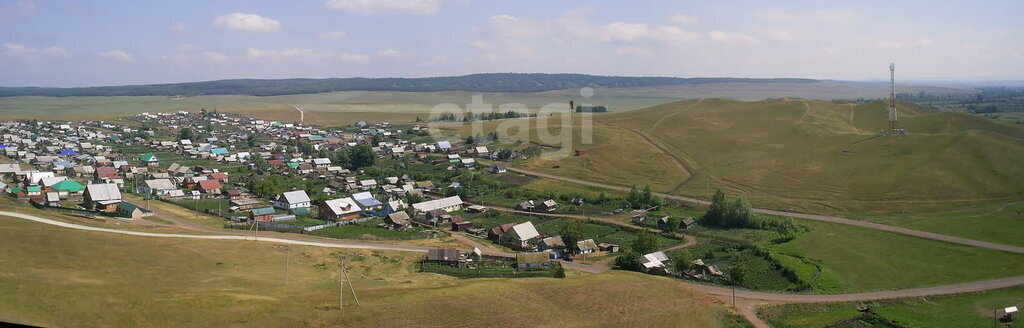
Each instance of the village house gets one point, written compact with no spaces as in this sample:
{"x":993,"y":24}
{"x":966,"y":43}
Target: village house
{"x":210,"y":187}
{"x":265,"y":214}
{"x":450,"y":204}
{"x":397,"y":221}
{"x":520,"y":236}
{"x":159,"y":187}
{"x":655,"y":263}
{"x":292,"y":200}
{"x":551,"y":244}
{"x":344,"y":210}
{"x":530,"y":260}
{"x":586,"y":246}
{"x":126,"y":210}
{"x":102,"y":197}
{"x":498,"y":168}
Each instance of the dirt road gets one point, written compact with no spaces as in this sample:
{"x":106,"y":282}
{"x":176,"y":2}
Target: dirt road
{"x":816,"y":217}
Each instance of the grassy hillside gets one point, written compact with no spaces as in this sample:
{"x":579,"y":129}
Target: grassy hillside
{"x":57,"y":277}
{"x":814,"y":156}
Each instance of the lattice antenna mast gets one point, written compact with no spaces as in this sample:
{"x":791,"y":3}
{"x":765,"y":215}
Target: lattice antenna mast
{"x":892,"y":100}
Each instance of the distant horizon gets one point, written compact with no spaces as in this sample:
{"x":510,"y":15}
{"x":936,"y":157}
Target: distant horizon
{"x":980,"y":82}
{"x":75,"y":44}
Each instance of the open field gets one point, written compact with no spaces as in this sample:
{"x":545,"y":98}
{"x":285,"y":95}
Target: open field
{"x":345,"y":107}
{"x":98,"y":279}
{"x":967,"y":310}
{"x":860,"y":259}
{"x":810,"y":156}
{"x":336,"y":108}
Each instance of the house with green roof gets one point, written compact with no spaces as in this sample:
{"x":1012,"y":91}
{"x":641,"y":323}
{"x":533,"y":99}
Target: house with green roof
{"x":149,"y":158}
{"x":126,"y":210}
{"x":67,"y":187}
{"x":33,"y":190}
{"x":265,"y":214}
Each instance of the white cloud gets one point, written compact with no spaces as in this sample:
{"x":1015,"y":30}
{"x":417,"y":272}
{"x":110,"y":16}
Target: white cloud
{"x":189,"y":54}
{"x":639,"y":32}
{"x":247,"y":23}
{"x":20,"y":50}
{"x":782,"y":35}
{"x":732,"y":38}
{"x":354,"y":58}
{"x":179,"y":27}
{"x":334,"y":35}
{"x":775,"y":14}
{"x":390,"y":53}
{"x":14,"y":10}
{"x":374,"y":7}
{"x":435,"y":60}
{"x":889,"y":44}
{"x":683,"y":19}
{"x":632,"y":51}
{"x":833,"y":16}
{"x":118,"y":55}
{"x":277,"y":53}
{"x":213,"y":56}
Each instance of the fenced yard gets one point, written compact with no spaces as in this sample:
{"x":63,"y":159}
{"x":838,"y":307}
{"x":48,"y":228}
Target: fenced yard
{"x":490,"y":271}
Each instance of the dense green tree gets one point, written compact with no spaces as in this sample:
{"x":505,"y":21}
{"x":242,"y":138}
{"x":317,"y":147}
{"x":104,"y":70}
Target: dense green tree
{"x":362,"y":156}
{"x":682,"y":261}
{"x":268,"y":187}
{"x":737,"y":272}
{"x":571,"y":232}
{"x":186,"y":133}
{"x":645,"y":243}
{"x":628,"y":261}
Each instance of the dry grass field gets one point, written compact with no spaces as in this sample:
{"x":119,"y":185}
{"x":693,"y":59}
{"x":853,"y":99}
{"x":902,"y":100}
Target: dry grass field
{"x":60,"y":278}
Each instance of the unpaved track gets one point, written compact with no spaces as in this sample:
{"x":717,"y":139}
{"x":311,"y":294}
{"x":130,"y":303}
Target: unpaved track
{"x":750,"y":299}
{"x":227,"y":236}
{"x":816,"y":217}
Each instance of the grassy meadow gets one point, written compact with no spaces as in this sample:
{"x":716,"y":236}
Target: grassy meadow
{"x":860,"y":259}
{"x":806,"y":155}
{"x":102,"y":280}
{"x":954,"y":311}
{"x":335,"y":108}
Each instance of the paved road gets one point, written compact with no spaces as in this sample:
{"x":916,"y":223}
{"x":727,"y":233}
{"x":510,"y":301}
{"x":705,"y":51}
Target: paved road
{"x":816,"y":217}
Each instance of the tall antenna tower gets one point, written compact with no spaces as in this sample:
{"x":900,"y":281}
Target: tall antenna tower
{"x":893,"y":126}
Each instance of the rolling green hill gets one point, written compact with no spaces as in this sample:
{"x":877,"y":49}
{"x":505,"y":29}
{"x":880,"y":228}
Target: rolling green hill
{"x":814,"y":156}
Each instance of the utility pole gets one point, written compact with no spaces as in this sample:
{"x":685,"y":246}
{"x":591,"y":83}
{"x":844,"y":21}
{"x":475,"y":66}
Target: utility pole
{"x":733,"y":295}
{"x":342,"y":276}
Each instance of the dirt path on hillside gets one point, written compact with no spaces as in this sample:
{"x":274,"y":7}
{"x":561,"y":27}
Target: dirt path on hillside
{"x":681,"y":162}
{"x":816,"y":217}
{"x":655,"y":126}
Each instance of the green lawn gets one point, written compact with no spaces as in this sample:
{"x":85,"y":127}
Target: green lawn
{"x":954,"y":311}
{"x":603,"y":234}
{"x":370,"y":228}
{"x":861,"y":259}
{"x":998,"y":223}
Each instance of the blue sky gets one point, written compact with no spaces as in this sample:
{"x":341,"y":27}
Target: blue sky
{"x":86,"y":43}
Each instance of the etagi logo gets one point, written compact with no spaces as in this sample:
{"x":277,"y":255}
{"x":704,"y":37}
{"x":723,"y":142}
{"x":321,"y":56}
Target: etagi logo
{"x":554,"y":126}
